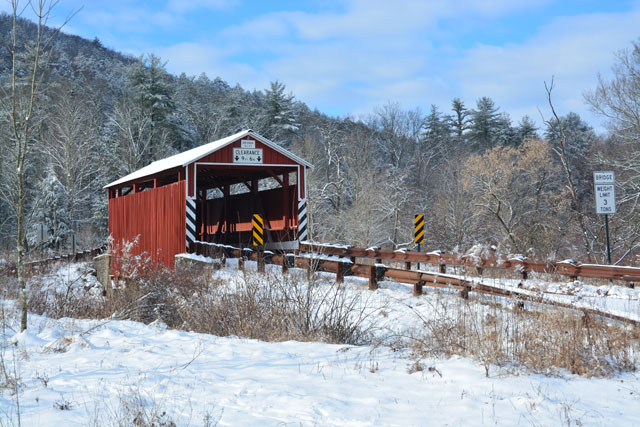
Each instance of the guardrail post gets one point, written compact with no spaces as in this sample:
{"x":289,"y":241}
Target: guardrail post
{"x":340,"y":273}
{"x":380,"y":271}
{"x":373,"y":282}
{"x":443,"y":268}
{"x":417,"y":288}
{"x":464,"y":292}
{"x":223,"y":256}
{"x":260,"y":260}
{"x":407,"y":265}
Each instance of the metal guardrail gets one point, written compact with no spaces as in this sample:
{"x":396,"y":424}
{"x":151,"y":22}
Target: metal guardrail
{"x":519,"y":265}
{"x":78,"y":256}
{"x":346,"y":266}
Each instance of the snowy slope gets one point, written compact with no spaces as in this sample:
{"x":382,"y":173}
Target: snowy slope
{"x":87,"y":372}
{"x":245,"y":382}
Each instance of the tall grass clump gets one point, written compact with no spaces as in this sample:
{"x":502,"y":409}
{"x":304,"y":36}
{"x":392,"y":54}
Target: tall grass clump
{"x":268,"y":306}
{"x":541,"y":339}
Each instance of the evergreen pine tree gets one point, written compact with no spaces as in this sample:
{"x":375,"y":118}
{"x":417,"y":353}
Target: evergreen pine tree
{"x":486,"y":122}
{"x":526,"y":129}
{"x":281,"y":117}
{"x":459,"y":122}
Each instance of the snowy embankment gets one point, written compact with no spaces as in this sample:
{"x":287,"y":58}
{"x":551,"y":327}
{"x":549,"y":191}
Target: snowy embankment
{"x":88,"y":372}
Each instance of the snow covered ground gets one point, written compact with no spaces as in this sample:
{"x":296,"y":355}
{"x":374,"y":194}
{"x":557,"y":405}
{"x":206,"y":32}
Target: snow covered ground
{"x":88,"y":372}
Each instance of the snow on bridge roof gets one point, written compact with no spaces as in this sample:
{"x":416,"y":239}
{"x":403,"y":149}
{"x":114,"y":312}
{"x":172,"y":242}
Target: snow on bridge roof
{"x":190,"y":156}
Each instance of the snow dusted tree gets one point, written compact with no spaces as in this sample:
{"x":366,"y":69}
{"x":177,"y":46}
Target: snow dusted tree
{"x":526,"y":129}
{"x":504,"y":133}
{"x":618,"y":101}
{"x":567,"y":149}
{"x":485,"y":124}
{"x":434,"y":144}
{"x":50,"y":212}
{"x":140,"y":127}
{"x":281,"y":116}
{"x":460,"y":122}
{"x":133,"y":140}
{"x":516,"y":190}
{"x":151,"y":95}
{"x":70,"y":147}
{"x":394,"y":207}
{"x":579,"y":137}
{"x":396,"y":135}
{"x":201,"y":105}
{"x":20,"y":97}
{"x":148,"y":81}
{"x":436,"y":130}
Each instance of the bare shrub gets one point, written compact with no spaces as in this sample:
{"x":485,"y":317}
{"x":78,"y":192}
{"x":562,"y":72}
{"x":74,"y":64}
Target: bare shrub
{"x":133,"y":409}
{"x":269,"y":306}
{"x":276,"y":307}
{"x":543,"y":340}
{"x":8,"y":277}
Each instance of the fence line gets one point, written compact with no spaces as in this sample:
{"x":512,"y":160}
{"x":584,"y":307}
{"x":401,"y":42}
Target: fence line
{"x":78,"y":256}
{"x":311,"y":259}
{"x":519,"y":265}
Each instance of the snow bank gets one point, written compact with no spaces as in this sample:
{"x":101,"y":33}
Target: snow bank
{"x":87,"y":376}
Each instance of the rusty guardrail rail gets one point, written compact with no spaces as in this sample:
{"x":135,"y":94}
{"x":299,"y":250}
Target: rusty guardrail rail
{"x":518,"y":265}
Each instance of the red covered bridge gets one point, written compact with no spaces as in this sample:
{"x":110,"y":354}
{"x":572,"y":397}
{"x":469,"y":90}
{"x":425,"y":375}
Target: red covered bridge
{"x":209,"y":194}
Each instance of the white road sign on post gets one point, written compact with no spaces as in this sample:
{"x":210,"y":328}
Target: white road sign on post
{"x":604,"y":188}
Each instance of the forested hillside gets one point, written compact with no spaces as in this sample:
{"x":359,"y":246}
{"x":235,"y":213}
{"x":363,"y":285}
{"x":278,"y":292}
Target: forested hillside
{"x":480,"y":177}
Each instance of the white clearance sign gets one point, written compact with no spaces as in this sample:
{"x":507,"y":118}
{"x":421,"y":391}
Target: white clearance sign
{"x":604,"y":186}
{"x":247,"y":155}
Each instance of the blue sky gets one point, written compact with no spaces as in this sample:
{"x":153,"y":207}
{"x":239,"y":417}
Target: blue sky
{"x":349,"y":56}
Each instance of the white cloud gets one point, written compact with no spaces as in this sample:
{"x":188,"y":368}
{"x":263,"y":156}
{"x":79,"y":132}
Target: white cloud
{"x":371,"y":52}
{"x":196,"y":58}
{"x":571,"y":49}
{"x":362,"y":53}
{"x":184,"y":6}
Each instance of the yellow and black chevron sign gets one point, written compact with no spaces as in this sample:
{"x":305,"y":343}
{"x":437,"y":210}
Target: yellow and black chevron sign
{"x":418,"y":229}
{"x":258,"y":230}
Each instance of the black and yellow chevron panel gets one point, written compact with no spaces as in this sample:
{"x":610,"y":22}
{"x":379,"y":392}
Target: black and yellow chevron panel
{"x":418,"y":229}
{"x":258,"y":230}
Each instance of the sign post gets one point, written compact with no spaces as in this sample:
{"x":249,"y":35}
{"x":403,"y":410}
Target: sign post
{"x":605,"y":192}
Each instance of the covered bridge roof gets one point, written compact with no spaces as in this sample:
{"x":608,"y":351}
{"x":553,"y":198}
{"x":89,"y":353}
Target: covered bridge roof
{"x":187,"y":157}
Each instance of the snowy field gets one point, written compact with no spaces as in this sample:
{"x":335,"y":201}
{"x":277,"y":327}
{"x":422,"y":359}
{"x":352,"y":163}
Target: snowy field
{"x":89,"y":372}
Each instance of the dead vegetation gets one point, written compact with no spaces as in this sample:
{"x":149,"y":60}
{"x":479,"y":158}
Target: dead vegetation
{"x":271,"y":307}
{"x":297,"y":306}
{"x":543,"y":340}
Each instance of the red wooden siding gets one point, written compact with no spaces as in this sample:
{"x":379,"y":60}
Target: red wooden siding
{"x":157,"y":216}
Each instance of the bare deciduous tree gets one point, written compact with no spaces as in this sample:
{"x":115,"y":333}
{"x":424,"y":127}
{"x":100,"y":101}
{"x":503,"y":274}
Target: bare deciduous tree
{"x":561,"y":149}
{"x":19,"y":97}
